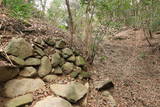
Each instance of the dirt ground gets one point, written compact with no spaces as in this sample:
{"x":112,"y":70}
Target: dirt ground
{"x":134,"y":68}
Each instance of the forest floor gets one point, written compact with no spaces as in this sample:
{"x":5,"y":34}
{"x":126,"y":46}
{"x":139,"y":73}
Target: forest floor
{"x":127,"y":59}
{"x":134,"y":68}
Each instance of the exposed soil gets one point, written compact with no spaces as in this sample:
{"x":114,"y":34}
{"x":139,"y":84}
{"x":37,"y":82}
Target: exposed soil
{"x":134,"y":68}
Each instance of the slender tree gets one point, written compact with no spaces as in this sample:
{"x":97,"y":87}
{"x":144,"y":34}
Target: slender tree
{"x":43,"y":4}
{"x":71,"y":23}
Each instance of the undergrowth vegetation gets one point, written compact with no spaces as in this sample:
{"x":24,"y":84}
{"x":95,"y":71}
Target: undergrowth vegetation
{"x":19,"y":8}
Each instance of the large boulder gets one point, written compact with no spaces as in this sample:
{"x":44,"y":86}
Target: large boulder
{"x":19,"y":101}
{"x":52,"y":101}
{"x":16,"y":87}
{"x":8,"y":72}
{"x":45,"y":67}
{"x":56,"y":59}
{"x":73,"y":91}
{"x":68,"y":67}
{"x":28,"y":72}
{"x":19,"y":47}
{"x":32,"y":61}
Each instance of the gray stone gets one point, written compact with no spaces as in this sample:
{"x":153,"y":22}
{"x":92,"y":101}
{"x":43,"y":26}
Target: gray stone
{"x":28,"y":72}
{"x":49,"y":50}
{"x":38,"y":40}
{"x":109,"y":98}
{"x":39,"y":51}
{"x":17,"y":60}
{"x":45,"y":67}
{"x":80,"y":61}
{"x":50,"y":78}
{"x":57,"y":71}
{"x":103,"y":84}
{"x":62,"y":61}
{"x":74,"y":74}
{"x":73,"y":91}
{"x":40,"y":46}
{"x":77,"y":69}
{"x":67,"y":52}
{"x":68,"y":67}
{"x":76,"y":52}
{"x":56,"y":59}
{"x":60,"y":44}
{"x":52,"y":101}
{"x":19,"y":101}
{"x":16,"y":87}
{"x":72,"y":58}
{"x":19,"y":47}
{"x":50,"y":41}
{"x":8,"y":72}
{"x":32,"y":61}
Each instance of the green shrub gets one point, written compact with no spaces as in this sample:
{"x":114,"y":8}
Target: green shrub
{"x":19,"y":8}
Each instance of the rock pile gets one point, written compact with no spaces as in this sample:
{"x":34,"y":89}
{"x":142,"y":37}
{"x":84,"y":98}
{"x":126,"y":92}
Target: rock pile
{"x":37,"y":62}
{"x":43,"y":57}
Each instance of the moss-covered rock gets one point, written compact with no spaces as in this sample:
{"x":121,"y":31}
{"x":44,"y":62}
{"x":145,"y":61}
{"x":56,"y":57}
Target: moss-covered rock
{"x":74,"y":74}
{"x":50,"y":78}
{"x":72,"y":58}
{"x":19,"y":101}
{"x":19,"y":47}
{"x":73,"y":91}
{"x":28,"y":72}
{"x":57,"y":71}
{"x":60,"y":44}
{"x":56,"y":59}
{"x":32,"y":61}
{"x":68,"y":67}
{"x":84,"y":75}
{"x":39,"y":51}
{"x":50,"y":41}
{"x":45,"y":67}
{"x":80,"y":61}
{"x":67,"y":52}
{"x":17,"y":60}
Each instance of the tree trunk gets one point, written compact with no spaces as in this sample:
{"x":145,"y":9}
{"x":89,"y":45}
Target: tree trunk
{"x":43,"y":4}
{"x":71,"y":24}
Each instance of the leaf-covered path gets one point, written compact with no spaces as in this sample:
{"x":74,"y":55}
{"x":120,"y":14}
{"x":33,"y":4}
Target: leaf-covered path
{"x":134,"y":68}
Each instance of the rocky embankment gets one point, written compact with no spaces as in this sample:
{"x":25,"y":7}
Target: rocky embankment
{"x":31,"y":66}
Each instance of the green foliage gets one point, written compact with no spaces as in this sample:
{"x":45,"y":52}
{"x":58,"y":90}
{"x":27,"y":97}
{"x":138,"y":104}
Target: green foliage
{"x":62,"y":27}
{"x":142,"y":14}
{"x":19,"y":8}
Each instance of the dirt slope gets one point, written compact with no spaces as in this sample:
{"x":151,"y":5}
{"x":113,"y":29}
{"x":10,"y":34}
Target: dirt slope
{"x":134,"y":68}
